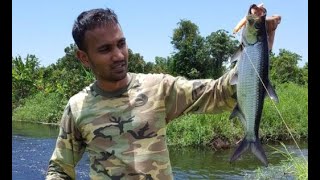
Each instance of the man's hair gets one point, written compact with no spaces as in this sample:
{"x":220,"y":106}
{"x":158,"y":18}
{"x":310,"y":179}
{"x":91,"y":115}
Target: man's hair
{"x":89,"y":20}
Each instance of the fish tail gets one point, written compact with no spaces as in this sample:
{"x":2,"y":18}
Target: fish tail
{"x":244,"y":145}
{"x":255,"y":147}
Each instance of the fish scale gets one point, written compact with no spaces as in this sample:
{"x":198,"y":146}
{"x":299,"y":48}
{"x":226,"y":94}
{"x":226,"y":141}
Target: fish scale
{"x":248,"y":88}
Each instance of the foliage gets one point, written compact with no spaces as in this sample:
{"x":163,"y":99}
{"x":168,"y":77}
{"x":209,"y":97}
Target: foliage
{"x":199,"y":57}
{"x":135,"y":62}
{"x":148,"y":67}
{"x":67,"y":76}
{"x":162,"y":65}
{"x":24,"y":75}
{"x":291,"y":111}
{"x":284,"y":68}
{"x":220,"y":47}
{"x":304,"y":75}
{"x":298,"y":166}
{"x":40,"y":107}
{"x":200,"y":129}
{"x":191,"y":58}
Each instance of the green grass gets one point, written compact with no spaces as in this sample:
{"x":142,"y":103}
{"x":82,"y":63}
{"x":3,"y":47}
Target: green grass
{"x":297,"y":166}
{"x":293,"y":167}
{"x":41,"y":107}
{"x":293,"y":108}
{"x":200,"y":129}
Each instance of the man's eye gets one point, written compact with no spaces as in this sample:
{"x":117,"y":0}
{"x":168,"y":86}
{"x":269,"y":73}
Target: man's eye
{"x":106,"y":49}
{"x":122,"y":44}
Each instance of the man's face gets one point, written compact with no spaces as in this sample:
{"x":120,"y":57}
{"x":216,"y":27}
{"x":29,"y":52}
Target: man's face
{"x":106,"y":53}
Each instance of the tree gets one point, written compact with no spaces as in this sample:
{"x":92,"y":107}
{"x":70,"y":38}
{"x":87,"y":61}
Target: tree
{"x":135,"y":63}
{"x":199,"y":57}
{"x":162,"y":65}
{"x":149,"y":67}
{"x":284,"y":67}
{"x":24,"y":75}
{"x":305,"y":73}
{"x":220,"y":47}
{"x":303,"y":77}
{"x":191,"y":58}
{"x":68,"y":76}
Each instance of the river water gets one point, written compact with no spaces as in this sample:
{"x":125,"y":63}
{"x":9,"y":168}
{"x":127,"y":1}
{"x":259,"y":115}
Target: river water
{"x":33,"y":144}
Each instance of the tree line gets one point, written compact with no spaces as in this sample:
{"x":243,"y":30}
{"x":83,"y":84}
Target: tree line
{"x":194,"y":56}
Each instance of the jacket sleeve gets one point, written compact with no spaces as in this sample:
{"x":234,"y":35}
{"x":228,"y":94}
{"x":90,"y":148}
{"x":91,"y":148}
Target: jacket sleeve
{"x":199,"y":95}
{"x":68,"y":150}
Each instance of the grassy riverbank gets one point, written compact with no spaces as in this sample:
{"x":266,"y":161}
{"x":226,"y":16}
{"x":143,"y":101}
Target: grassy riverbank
{"x":296,"y":168}
{"x":292,"y":167}
{"x":215,"y":130}
{"x":218,"y":131}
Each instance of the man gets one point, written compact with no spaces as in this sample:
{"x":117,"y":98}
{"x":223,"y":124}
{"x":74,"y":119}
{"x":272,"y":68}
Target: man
{"x":121,"y":118}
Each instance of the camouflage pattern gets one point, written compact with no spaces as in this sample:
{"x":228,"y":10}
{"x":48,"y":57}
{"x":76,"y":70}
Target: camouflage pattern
{"x":125,"y":133}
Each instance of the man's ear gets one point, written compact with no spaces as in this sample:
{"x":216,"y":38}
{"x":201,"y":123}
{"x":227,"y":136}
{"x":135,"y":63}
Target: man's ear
{"x":83,"y":58}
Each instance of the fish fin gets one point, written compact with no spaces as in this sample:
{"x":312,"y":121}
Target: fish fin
{"x":234,"y":63}
{"x":244,"y":145}
{"x":237,"y":55}
{"x":257,"y":150}
{"x":234,"y":79}
{"x":272,"y":93}
{"x":234,"y":96}
{"x":237,"y":113}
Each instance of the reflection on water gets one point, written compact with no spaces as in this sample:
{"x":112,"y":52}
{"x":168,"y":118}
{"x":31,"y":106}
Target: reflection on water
{"x":35,"y":130}
{"x":33,"y":144}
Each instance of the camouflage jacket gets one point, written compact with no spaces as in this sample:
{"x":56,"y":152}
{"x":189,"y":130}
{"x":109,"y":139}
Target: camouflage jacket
{"x":124,"y":132}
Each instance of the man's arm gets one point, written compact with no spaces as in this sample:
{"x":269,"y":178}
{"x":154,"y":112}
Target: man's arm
{"x":199,"y":95}
{"x":68,"y":151}
{"x":272,"y":24}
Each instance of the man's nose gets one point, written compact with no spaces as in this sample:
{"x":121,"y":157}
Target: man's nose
{"x":117,"y":54}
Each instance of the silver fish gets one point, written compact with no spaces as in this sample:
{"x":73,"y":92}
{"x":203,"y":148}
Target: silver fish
{"x":252,"y":69}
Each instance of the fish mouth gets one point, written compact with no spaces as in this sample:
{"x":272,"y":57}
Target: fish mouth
{"x":255,"y":14}
{"x":256,"y":10}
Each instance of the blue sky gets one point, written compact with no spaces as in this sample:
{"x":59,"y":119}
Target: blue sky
{"x":43,"y":28}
